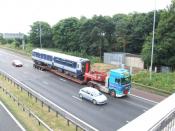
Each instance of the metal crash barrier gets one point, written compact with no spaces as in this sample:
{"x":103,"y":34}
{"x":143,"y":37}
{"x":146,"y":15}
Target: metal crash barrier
{"x":159,"y":118}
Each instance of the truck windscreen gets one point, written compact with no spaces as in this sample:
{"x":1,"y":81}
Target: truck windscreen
{"x":125,"y":80}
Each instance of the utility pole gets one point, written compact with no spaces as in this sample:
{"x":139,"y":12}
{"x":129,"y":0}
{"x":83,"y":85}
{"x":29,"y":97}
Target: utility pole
{"x":152,"y":50}
{"x":102,"y":34}
{"x":40,"y":34}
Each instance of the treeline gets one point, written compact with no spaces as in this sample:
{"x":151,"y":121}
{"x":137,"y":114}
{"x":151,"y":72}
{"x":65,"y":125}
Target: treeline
{"x":130,"y":33}
{"x":124,"y":33}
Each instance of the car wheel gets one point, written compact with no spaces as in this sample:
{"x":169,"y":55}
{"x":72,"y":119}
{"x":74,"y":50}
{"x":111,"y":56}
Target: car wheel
{"x":81,"y":96}
{"x":94,"y":102}
{"x":112,"y":93}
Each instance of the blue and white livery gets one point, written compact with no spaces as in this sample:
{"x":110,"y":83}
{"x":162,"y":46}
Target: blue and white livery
{"x":72,"y":65}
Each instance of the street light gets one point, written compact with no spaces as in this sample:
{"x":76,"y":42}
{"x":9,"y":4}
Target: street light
{"x":152,"y":50}
{"x":40,"y":34}
{"x":101,"y":34}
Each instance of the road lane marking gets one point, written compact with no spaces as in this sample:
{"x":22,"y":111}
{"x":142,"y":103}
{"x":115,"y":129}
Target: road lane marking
{"x":25,"y":72}
{"x":52,"y":103}
{"x":16,"y":56}
{"x":138,"y":105}
{"x":127,"y":121}
{"x":11,"y":115}
{"x":62,"y":79}
{"x":77,"y":98}
{"x":46,"y":83}
{"x":144,"y":98}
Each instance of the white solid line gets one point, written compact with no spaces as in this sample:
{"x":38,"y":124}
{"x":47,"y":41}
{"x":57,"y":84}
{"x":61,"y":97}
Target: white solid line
{"x":62,"y":79}
{"x":93,"y":128}
{"x":138,"y":105}
{"x":144,"y":98}
{"x":10,"y":114}
{"x":77,"y":98}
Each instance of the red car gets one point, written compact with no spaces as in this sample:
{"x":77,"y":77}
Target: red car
{"x":17,"y":63}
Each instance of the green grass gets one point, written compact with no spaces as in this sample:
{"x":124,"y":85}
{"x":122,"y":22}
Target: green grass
{"x":56,"y":123}
{"x":162,"y":81}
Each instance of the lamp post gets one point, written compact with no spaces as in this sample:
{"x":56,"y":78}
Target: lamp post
{"x":152,"y":50}
{"x":101,"y":36}
{"x":40,"y":34}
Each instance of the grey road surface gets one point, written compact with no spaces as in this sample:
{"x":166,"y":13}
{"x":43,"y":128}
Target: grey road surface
{"x":110,"y":117}
{"x":7,"y":121}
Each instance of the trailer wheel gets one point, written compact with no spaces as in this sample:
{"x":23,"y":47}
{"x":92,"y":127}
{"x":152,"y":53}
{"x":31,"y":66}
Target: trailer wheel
{"x":112,"y":93}
{"x":97,"y":87}
{"x":90,"y":84}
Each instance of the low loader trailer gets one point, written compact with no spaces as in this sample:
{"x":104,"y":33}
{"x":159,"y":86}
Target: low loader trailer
{"x":117,"y":82}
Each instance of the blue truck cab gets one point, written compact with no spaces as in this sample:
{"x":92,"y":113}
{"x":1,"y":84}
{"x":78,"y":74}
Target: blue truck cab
{"x":119,"y":82}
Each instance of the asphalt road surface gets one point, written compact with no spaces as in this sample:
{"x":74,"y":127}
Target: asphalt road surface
{"x":110,"y":117}
{"x":7,"y":121}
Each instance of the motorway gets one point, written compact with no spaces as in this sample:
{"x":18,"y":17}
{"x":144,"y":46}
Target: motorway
{"x":110,"y":117}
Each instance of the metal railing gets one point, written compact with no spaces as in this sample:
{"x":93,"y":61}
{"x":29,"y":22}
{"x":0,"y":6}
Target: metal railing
{"x":161,"y":117}
{"x":167,"y":123}
{"x":24,"y":108}
{"x":51,"y":106}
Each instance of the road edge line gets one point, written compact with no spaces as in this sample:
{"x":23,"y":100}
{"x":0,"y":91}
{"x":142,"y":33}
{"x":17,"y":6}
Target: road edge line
{"x":51,"y":102}
{"x":144,"y":98}
{"x":12,"y":116}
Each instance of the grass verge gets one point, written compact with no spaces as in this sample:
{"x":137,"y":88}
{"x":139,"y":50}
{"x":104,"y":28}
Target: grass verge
{"x":162,"y":82}
{"x":56,"y":123}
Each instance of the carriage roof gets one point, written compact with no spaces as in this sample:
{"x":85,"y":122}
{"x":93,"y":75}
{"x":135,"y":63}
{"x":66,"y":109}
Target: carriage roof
{"x":60,"y":55}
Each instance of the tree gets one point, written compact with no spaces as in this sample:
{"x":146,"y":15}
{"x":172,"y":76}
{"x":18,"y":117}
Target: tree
{"x":66,"y":34}
{"x":2,"y":40}
{"x":164,"y":51}
{"x":46,"y":34}
{"x":122,"y":27}
{"x":97,"y":35}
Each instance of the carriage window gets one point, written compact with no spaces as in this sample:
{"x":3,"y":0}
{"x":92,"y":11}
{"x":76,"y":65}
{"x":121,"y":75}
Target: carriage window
{"x":74,"y":65}
{"x":77,"y":65}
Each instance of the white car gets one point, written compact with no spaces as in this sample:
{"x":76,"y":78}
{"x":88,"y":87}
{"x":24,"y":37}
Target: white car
{"x":17,"y":63}
{"x":93,"y":95}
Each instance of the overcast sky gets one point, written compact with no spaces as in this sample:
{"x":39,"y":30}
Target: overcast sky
{"x":18,"y":15}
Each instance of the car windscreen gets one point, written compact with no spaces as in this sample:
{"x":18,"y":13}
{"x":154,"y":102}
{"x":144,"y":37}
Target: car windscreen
{"x":97,"y":94}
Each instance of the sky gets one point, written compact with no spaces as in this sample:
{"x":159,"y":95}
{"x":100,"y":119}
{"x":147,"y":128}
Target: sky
{"x":17,"y":15}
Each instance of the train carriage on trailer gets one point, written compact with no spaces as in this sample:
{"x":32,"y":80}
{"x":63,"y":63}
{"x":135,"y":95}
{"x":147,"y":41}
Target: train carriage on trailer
{"x":71,"y":65}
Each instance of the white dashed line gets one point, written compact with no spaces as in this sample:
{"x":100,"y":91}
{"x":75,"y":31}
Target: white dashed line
{"x":62,"y":79}
{"x":77,"y":98}
{"x":46,"y":83}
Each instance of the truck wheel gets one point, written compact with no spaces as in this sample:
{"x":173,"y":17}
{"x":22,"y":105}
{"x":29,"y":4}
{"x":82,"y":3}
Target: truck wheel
{"x":94,"y":102}
{"x":112,"y":93}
